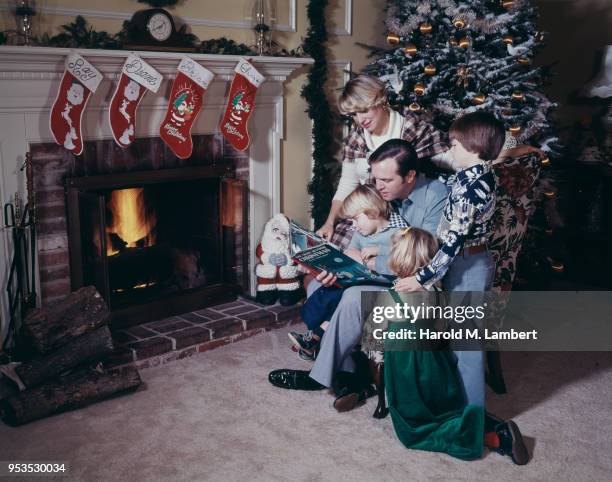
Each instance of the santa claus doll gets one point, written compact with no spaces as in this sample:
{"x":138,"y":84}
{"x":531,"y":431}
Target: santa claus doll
{"x":277,"y":274}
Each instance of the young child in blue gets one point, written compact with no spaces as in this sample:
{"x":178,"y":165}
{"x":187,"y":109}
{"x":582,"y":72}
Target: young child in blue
{"x":463,"y":259}
{"x":374,"y":224}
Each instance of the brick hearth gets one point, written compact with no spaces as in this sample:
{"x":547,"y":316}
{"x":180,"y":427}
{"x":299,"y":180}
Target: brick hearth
{"x":158,"y":342}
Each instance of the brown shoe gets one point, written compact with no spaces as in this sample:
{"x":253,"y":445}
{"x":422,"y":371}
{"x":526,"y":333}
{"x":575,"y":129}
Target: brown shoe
{"x":350,"y":399}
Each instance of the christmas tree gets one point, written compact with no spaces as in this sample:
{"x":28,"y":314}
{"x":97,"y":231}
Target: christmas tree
{"x":447,"y":58}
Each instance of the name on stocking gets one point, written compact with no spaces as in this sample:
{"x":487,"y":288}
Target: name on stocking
{"x":136,"y":68}
{"x":81,"y":69}
{"x":195,"y":72}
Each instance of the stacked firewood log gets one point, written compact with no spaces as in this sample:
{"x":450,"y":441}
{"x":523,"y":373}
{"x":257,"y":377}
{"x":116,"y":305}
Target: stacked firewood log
{"x":70,"y":339}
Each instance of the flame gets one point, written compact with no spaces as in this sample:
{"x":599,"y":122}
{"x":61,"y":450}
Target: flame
{"x":131,"y":222}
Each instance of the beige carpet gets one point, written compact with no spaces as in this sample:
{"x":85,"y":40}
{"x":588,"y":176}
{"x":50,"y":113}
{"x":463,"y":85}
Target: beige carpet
{"x":215,"y":417}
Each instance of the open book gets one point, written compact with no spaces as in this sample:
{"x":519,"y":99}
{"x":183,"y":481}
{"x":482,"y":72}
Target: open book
{"x":315,"y":253}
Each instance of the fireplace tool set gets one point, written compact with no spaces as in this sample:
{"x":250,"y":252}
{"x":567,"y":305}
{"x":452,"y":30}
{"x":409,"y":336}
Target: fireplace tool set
{"x":21,"y":283}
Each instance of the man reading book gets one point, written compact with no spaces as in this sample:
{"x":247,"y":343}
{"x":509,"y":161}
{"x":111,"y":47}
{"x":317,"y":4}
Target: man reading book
{"x":419,"y":201}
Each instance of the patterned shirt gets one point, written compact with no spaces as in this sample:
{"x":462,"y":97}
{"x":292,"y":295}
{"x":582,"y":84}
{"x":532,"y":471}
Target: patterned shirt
{"x":426,"y":140}
{"x":467,"y":219}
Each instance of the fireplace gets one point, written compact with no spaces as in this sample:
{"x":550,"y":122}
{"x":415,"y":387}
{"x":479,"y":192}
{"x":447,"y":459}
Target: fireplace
{"x":30,"y":78}
{"x":158,"y":243}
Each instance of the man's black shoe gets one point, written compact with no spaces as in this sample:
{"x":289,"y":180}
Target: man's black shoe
{"x":511,"y":442}
{"x":293,"y":380}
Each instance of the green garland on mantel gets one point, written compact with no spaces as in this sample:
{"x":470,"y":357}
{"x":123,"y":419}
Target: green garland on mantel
{"x":324,"y":171}
{"x":79,"y":34}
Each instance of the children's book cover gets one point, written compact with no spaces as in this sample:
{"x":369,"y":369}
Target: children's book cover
{"x":316,"y":253}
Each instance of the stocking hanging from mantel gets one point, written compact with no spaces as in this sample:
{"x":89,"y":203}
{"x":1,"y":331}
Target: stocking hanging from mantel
{"x":241,"y":103}
{"x":80,"y":80}
{"x":184,"y":106}
{"x":137,"y":77}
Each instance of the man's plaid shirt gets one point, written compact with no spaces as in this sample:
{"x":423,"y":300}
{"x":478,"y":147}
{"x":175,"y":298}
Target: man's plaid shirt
{"x":426,"y":140}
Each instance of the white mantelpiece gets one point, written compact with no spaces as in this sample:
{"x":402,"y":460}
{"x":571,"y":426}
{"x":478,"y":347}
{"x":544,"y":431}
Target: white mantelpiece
{"x":29,"y":79}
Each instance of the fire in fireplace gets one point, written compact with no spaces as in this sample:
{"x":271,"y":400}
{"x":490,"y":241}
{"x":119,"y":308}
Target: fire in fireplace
{"x":130,"y":224}
{"x":158,"y":242}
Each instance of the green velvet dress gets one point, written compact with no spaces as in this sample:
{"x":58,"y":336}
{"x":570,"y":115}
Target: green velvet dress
{"x":425,"y":399}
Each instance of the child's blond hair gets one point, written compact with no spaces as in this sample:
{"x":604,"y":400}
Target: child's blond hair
{"x":365,"y":199}
{"x":411,"y":249}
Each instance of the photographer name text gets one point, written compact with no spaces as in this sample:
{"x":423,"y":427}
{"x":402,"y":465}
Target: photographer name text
{"x":454,"y":334}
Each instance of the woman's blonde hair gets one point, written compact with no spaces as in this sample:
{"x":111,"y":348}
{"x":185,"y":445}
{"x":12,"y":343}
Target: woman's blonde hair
{"x":361,"y":94}
{"x":365,"y":199}
{"x":411,"y":250}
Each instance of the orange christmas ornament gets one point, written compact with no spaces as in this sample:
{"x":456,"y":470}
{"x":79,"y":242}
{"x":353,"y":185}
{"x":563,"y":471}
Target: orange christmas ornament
{"x":410,"y":49}
{"x":479,"y":99}
{"x":430,"y":69}
{"x":419,"y":89}
{"x":393,"y":39}
{"x":425,"y":28}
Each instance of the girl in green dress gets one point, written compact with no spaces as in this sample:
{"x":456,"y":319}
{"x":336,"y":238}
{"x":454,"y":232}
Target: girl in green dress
{"x":423,"y":388}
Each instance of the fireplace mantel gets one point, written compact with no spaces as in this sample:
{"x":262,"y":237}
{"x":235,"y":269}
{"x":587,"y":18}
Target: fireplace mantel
{"x":29,"y":79}
{"x":25,"y":63}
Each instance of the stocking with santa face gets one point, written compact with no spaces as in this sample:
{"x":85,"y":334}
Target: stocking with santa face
{"x":80,"y":80}
{"x":184,"y":106}
{"x":136,"y":78}
{"x":241,"y":104}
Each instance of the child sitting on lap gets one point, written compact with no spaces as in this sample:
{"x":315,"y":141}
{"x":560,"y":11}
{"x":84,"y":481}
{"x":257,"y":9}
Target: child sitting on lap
{"x":374,"y":225}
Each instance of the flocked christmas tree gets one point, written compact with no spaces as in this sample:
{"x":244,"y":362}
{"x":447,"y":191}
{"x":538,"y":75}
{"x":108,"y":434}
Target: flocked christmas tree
{"x":449,"y":57}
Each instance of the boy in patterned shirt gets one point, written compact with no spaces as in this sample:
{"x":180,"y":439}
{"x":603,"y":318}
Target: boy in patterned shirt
{"x":463,"y":259}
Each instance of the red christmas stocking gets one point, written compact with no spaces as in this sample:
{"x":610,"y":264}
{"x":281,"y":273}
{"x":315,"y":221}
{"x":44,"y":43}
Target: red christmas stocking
{"x":136,"y":78}
{"x":241,"y":104}
{"x":80,"y":80}
{"x":185,"y":104}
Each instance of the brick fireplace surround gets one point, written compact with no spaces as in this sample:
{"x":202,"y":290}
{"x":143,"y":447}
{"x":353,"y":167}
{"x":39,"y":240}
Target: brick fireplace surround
{"x":52,"y":164}
{"x":29,"y":79}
